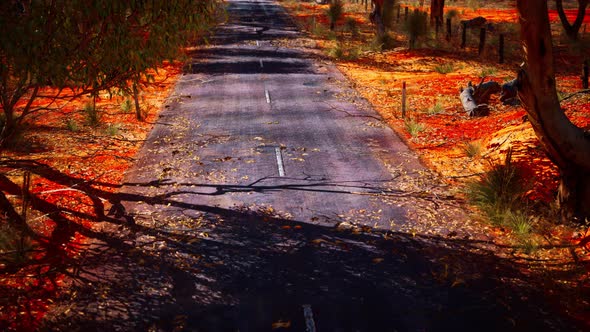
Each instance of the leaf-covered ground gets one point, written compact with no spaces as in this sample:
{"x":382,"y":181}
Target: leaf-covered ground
{"x":71,"y":158}
{"x":433,"y":74}
{"x":75,"y":165}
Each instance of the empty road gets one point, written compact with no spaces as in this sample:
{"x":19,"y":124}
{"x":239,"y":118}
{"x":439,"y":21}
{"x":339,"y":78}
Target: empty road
{"x":270,"y":197}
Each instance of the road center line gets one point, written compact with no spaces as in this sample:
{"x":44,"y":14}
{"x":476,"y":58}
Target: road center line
{"x":267,"y":95}
{"x":257,"y":44}
{"x":280,"y":162}
{"x":308,"y":314}
{"x":261,"y":64}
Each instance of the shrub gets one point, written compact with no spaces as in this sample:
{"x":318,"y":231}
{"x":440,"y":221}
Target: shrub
{"x":416,"y":27}
{"x":352,"y":26}
{"x":92,"y":114}
{"x":335,"y":12}
{"x":127,"y":106}
{"x":500,"y":189}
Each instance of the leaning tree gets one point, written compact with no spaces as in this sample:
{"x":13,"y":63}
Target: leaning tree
{"x":567,"y":145}
{"x":82,"y":47}
{"x":572,"y":29}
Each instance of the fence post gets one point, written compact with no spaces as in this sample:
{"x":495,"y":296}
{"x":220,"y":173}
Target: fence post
{"x":25,"y":194}
{"x":404,"y":100}
{"x":501,"y":48}
{"x":464,"y":35}
{"x":406,"y":9}
{"x":585,"y":75}
{"x":399,"y":9}
{"x":448,"y":28}
{"x":482,"y":40}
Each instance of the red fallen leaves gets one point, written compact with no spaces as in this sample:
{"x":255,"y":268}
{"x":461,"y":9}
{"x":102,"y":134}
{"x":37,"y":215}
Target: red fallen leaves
{"x":88,"y":156}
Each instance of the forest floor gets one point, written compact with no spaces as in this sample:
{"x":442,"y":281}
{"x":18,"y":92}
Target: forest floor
{"x":64,"y":151}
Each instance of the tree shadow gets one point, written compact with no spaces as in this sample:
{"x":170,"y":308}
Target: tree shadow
{"x":214,"y":269}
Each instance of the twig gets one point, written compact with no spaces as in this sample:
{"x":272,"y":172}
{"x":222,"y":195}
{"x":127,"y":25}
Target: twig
{"x":576,"y":93}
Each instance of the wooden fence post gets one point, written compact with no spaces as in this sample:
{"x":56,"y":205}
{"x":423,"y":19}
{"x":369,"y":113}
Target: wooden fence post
{"x":25,"y":194}
{"x":406,"y":10}
{"x":464,"y":35}
{"x":448,"y":28}
{"x":501,"y":49}
{"x":404,"y":100}
{"x":585,"y":75}
{"x":482,"y":40}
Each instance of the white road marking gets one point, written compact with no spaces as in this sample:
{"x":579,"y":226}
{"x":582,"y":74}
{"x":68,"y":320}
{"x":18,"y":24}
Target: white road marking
{"x":308,"y":314}
{"x":261,"y":64}
{"x":267,"y":95}
{"x":280,"y":161}
{"x":257,"y":43}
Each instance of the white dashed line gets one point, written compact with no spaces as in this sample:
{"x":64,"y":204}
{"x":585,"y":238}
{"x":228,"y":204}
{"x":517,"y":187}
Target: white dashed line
{"x":308,"y":314}
{"x":280,"y":162}
{"x":261,"y":64}
{"x":267,"y":95}
{"x":257,"y":44}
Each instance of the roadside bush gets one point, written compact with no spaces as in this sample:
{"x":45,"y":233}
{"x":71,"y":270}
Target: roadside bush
{"x":500,"y":194}
{"x":335,"y":12}
{"x":92,"y":114}
{"x":416,"y":27}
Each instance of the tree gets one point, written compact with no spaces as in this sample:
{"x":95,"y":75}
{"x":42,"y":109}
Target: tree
{"x":82,"y":47}
{"x":382,"y":15}
{"x":565,"y":144}
{"x":572,"y":30}
{"x":437,"y":11}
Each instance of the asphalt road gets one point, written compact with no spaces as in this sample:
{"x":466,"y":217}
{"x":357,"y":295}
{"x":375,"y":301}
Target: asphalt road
{"x":270,"y":197}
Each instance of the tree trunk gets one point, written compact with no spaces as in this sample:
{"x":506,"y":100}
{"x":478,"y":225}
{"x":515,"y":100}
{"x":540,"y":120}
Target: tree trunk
{"x":437,"y":12}
{"x":138,"y":114}
{"x":565,"y":144}
{"x":571,"y":30}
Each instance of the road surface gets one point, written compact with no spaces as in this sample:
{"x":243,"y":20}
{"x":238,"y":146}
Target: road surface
{"x":270,"y":197}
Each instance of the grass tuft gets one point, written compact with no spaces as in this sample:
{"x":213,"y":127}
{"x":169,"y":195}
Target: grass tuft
{"x":435,"y":109}
{"x":472,"y":149}
{"x":445,"y":68}
{"x":413,"y":127}
{"x":72,"y":125}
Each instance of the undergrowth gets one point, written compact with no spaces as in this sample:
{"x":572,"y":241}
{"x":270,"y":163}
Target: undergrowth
{"x":500,"y":195}
{"x":413,"y":127}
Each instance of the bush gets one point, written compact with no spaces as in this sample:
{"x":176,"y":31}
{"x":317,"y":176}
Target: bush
{"x":335,"y":12}
{"x":416,"y":27}
{"x":127,"y":106}
{"x":352,"y":26}
{"x":92,"y":114}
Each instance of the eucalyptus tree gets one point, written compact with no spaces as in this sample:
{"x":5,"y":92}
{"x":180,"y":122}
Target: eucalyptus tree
{"x":80,"y":47}
{"x":567,"y":145}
